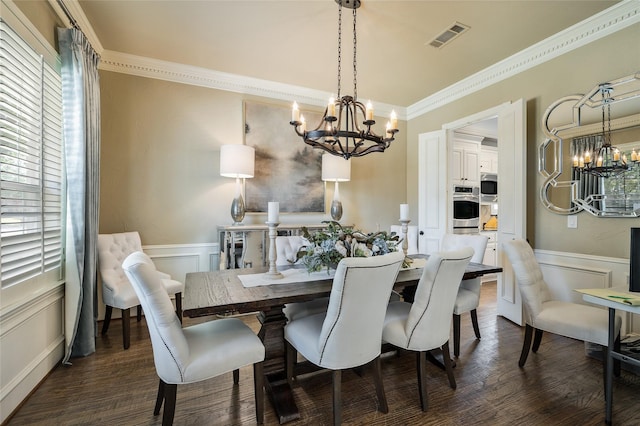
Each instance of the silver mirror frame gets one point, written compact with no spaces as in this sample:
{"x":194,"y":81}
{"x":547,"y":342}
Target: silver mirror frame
{"x":555,"y":143}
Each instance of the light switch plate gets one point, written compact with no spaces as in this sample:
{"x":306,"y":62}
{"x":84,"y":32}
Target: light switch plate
{"x":572,"y":221}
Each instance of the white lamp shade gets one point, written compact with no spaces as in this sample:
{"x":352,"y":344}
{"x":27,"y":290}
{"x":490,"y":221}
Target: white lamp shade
{"x":237,"y":161}
{"x":335,"y":169}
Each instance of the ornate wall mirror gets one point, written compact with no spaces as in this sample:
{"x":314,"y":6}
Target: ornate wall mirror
{"x":590,"y":158}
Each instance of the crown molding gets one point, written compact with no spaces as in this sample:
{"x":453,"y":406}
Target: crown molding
{"x":187,"y":74}
{"x":607,"y":22}
{"x":600,"y":25}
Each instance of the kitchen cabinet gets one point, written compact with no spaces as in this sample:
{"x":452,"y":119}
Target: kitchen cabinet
{"x":465,"y":163}
{"x":488,"y":161}
{"x":490,"y":254}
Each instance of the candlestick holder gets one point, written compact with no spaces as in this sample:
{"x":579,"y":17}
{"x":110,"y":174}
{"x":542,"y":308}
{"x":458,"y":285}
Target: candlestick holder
{"x":273,"y":232}
{"x":405,"y":231}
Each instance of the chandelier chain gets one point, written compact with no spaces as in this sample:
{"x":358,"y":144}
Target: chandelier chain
{"x":339,"y":47}
{"x":355,"y":70}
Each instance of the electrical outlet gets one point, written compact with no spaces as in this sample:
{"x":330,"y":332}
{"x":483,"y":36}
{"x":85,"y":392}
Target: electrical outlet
{"x":572,"y":221}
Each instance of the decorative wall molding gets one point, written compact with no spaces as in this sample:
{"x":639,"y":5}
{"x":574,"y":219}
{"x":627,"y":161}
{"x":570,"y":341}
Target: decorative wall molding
{"x":609,"y":21}
{"x":600,"y":25}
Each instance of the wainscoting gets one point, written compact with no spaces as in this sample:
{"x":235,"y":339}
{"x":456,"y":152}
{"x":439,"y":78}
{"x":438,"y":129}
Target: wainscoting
{"x":565,"y":272}
{"x":32,"y":333}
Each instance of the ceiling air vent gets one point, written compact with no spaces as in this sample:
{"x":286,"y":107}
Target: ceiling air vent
{"x":449,"y":35}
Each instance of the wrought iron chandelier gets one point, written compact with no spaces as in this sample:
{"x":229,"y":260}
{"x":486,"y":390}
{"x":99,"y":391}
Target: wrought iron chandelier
{"x":608,"y":161}
{"x":346,"y":127}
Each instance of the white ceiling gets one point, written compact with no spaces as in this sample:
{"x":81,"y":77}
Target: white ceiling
{"x":295,"y":42}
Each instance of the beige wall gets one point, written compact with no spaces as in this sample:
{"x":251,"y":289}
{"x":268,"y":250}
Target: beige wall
{"x":160,"y":164}
{"x":615,"y":56}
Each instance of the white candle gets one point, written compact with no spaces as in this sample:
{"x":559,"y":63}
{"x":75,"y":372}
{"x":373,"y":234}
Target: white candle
{"x":274,"y":210}
{"x":389,"y":132}
{"x":331,"y":108}
{"x":394,"y":120}
{"x":295,"y":112}
{"x":369,"y":111}
{"x":404,"y":211}
{"x":303,"y":124}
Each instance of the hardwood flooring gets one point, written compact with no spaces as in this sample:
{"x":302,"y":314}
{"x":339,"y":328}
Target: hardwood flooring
{"x":558,"y":386}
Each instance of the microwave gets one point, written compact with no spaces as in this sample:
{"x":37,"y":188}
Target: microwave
{"x":489,"y":187}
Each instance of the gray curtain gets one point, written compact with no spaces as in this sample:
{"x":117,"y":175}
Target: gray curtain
{"x":587,"y":184}
{"x":81,"y":109}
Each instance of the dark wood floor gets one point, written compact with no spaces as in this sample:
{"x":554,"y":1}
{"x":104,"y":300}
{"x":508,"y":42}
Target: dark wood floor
{"x":558,"y":386}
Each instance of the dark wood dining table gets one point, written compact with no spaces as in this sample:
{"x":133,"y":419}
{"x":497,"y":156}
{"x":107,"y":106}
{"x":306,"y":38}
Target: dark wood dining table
{"x":222,"y":292}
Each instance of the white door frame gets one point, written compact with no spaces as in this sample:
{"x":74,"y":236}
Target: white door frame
{"x":434,"y":195}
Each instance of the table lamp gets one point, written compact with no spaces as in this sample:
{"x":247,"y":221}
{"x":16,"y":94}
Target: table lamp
{"x":237,"y":161}
{"x":336,"y":169}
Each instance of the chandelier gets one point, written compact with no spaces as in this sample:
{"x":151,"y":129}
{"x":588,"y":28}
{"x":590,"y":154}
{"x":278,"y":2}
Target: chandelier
{"x":607,"y":161}
{"x":346,"y":126}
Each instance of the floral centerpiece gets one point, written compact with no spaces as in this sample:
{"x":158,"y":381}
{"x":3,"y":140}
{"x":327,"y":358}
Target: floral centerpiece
{"x":327,"y":247}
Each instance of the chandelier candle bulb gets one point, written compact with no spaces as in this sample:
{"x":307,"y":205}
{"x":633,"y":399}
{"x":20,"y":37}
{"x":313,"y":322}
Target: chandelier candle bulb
{"x":634,"y":155}
{"x":303,"y":124}
{"x":389,"y":131}
{"x":581,"y":162}
{"x":273,"y":211}
{"x":331,"y":108}
{"x":404,"y":211}
{"x":394,"y":120}
{"x":599,"y":162}
{"x":587,"y":157}
{"x":295,"y":113}
{"x":575,"y":161}
{"x":369,"y":112}
{"x":616,"y":155}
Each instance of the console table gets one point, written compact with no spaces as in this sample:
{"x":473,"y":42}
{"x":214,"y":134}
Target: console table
{"x":233,"y":240}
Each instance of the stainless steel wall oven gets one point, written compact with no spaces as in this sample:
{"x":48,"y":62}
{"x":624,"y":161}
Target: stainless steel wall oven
{"x":466,"y":209}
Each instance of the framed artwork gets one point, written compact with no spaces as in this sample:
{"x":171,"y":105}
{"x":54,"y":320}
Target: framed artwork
{"x":286,"y":169}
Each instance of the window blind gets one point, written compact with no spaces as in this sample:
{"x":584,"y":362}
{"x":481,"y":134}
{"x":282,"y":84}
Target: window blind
{"x":30,"y":160}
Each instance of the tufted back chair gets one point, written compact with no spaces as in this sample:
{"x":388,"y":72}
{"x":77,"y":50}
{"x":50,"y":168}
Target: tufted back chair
{"x":468,"y":298}
{"x":287,"y":248}
{"x":195,"y":353}
{"x":542,"y":313}
{"x":349,"y":333}
{"x":117,"y":292}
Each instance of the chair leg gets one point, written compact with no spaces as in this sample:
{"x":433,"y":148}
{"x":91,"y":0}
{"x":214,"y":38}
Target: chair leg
{"x":337,"y":397}
{"x":126,"y":328}
{"x":179,"y":306}
{"x":107,"y":319}
{"x":236,"y":376}
{"x":526,"y":345}
{"x":474,"y":322}
{"x":160,"y":398}
{"x":258,"y":386}
{"x":169,"y":404}
{"x":446,"y":358}
{"x":139,"y":313}
{"x":383,"y":407}
{"x":421,"y":361}
{"x":456,"y":335}
{"x":290,"y":356}
{"x":537,"y":338}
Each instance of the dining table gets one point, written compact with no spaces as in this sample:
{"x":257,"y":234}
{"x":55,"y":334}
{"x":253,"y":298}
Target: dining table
{"x":223,"y":292}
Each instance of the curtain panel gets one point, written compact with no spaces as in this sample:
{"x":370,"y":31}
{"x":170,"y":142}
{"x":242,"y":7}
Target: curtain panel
{"x":81,"y":128}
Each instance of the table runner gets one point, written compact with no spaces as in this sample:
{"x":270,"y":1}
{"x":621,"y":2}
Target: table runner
{"x":296,"y":275}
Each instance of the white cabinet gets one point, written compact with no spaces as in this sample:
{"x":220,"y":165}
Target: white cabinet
{"x":465,"y":163}
{"x":490,"y":254}
{"x":488,"y":161}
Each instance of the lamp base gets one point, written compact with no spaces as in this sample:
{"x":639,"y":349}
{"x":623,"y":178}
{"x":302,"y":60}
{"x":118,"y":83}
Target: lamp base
{"x":237,"y":209}
{"x":336,"y":210}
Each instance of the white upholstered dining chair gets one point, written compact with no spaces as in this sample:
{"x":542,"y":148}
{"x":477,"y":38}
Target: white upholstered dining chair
{"x":195,"y":353}
{"x":116,"y":288}
{"x":348,"y":335}
{"x":425,"y":324}
{"x":542,"y":313}
{"x":468,"y":297}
